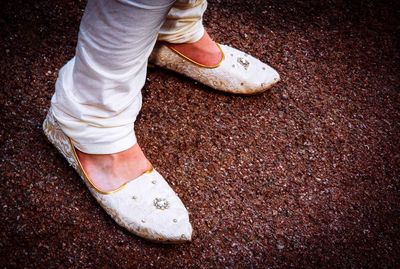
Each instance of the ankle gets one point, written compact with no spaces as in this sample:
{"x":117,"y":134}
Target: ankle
{"x":204,"y":51}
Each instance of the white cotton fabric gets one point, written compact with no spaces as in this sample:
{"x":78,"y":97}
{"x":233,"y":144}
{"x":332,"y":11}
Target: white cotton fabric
{"x":98,"y":92}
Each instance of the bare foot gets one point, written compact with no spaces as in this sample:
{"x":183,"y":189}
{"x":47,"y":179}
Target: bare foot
{"x":204,"y":51}
{"x":110,"y":171}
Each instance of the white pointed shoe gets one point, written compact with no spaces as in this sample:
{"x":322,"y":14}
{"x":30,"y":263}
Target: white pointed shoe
{"x":237,"y":72}
{"x":146,"y":206}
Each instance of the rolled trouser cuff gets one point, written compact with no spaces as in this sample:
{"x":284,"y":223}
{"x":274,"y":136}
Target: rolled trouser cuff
{"x":188,"y":34}
{"x":93,"y":139}
{"x":108,"y":147}
{"x":184,"y":23}
{"x":91,"y":128}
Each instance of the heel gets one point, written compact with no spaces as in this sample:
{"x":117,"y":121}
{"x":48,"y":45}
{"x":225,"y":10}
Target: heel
{"x":60,"y":141}
{"x":46,"y":126}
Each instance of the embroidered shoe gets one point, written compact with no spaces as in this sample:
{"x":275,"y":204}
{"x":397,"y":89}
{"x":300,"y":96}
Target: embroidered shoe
{"x":237,"y":72}
{"x":146,"y":206}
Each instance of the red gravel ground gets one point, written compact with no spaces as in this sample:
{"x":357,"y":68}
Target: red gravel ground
{"x":303,"y":176}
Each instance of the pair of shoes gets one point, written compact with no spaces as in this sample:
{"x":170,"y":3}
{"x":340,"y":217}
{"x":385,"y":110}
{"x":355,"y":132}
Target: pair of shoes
{"x":146,"y":206}
{"x":237,"y":72}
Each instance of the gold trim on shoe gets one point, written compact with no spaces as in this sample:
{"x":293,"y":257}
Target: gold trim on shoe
{"x":199,"y":64}
{"x":87,"y":178}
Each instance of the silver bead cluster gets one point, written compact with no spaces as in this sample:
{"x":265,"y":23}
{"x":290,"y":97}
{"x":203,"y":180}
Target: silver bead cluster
{"x":161,"y":203}
{"x":243,"y":62}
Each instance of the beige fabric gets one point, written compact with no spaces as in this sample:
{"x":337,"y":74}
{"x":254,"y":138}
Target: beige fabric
{"x":184,"y":23}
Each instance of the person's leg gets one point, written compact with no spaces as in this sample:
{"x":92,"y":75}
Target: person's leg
{"x":184,"y":31}
{"x":185,"y":48}
{"x":98,"y":94}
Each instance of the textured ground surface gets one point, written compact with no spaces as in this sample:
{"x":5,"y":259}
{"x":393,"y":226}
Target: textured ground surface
{"x":306,"y":175}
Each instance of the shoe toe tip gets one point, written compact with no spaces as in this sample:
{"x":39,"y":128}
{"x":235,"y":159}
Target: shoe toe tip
{"x":173,"y":227}
{"x":276,"y":76}
{"x":182,"y":234}
{"x":272,"y":79}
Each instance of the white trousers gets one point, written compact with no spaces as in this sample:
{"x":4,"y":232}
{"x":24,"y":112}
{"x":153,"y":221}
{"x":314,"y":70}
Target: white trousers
{"x":98,"y":92}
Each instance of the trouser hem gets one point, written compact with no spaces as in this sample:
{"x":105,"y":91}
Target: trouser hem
{"x":108,"y":148}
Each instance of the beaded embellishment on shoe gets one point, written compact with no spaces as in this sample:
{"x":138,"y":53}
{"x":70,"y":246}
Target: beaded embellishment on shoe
{"x":161,"y":203}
